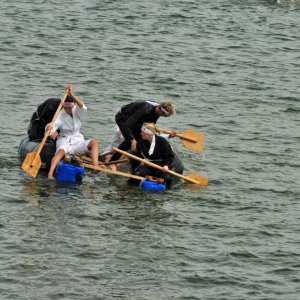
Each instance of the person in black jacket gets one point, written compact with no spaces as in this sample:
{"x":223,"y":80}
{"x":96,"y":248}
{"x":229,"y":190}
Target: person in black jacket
{"x":157,"y":150}
{"x":36,"y":129}
{"x":131,"y":117}
{"x":41,"y":117}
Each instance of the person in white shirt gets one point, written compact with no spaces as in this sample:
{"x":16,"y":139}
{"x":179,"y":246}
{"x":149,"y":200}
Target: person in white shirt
{"x":69,"y":139}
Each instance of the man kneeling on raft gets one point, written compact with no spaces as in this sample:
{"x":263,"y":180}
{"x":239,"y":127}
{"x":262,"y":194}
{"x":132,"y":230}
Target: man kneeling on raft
{"x":157,"y":150}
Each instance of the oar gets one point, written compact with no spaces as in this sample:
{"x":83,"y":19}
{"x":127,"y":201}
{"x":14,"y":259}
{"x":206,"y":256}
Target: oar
{"x":32,"y":162}
{"x":106,"y":163}
{"x":112,"y":171}
{"x":191,"y":139}
{"x":193,"y":178}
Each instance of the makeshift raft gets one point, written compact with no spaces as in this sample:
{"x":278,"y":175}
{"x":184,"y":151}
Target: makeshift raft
{"x":68,"y":171}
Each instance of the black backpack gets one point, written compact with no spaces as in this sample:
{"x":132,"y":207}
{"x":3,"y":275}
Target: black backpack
{"x":41,"y":117}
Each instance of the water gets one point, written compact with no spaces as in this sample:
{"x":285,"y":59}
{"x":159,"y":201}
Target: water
{"x":232,"y":70}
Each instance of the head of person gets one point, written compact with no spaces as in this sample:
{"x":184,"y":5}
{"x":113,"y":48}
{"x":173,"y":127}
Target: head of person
{"x":166,"y":109}
{"x":148,"y":130}
{"x":68,"y":105}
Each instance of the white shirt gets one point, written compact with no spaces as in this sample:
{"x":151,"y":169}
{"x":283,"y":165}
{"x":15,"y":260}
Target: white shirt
{"x":69,"y":126}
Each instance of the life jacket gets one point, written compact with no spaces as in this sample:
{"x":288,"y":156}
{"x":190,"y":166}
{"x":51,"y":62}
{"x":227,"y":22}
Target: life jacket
{"x":41,"y":117}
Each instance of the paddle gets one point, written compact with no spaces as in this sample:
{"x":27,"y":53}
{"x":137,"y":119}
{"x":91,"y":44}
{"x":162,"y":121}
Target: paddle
{"x":112,"y":171}
{"x":193,"y":178}
{"x":32,"y":162}
{"x":106,"y":163}
{"x":190,"y":138}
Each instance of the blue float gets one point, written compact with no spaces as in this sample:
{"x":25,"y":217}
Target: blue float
{"x":148,"y":185}
{"x":69,"y":172}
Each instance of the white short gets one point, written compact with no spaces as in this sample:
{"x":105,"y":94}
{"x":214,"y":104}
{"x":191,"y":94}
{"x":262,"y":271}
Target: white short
{"x":78,"y":149}
{"x":116,"y":141}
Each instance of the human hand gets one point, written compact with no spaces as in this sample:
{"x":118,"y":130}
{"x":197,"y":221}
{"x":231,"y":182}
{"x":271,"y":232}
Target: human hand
{"x":49,"y":126}
{"x":133,"y":145}
{"x":172,"y":134}
{"x":54,"y":135}
{"x":165,"y":168}
{"x":70,"y":87}
{"x":70,"y":92}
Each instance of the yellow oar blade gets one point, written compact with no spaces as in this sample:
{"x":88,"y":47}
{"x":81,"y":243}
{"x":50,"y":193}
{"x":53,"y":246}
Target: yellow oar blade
{"x":32,"y":163}
{"x":190,"y":138}
{"x":203,"y":181}
{"x":199,"y":137}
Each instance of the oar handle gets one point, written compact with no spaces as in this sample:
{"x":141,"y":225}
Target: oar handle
{"x":154,"y":165}
{"x":112,"y":171}
{"x":53,"y":120}
{"x":106,"y":163}
{"x":187,"y":138}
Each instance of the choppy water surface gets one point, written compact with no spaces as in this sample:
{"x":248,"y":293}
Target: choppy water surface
{"x":232,"y":70}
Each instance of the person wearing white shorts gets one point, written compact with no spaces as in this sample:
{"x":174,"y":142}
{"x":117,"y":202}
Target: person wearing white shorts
{"x":70,"y":140}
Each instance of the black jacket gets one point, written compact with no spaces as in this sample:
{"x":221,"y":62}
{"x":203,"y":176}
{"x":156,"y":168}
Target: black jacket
{"x":132,"y":116}
{"x":41,"y":117}
{"x":162,"y":154}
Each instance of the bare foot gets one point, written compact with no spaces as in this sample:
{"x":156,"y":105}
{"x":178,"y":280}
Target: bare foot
{"x":51,"y":177}
{"x":100,"y":166}
{"x":113,"y":167}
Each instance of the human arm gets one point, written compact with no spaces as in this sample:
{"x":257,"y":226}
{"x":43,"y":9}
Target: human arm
{"x":53,"y":133}
{"x":167,"y":154}
{"x":168,"y":135}
{"x":55,"y":126}
{"x":131,"y":117}
{"x":75,"y":98}
{"x":79,"y":108}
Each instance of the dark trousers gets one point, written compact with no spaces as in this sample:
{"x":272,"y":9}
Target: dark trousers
{"x":144,"y":170}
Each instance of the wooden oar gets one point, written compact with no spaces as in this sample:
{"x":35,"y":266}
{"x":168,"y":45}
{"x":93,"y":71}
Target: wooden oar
{"x":193,"y":178}
{"x":106,"y":163}
{"x":112,"y":171}
{"x":191,"y":139}
{"x":32,"y":162}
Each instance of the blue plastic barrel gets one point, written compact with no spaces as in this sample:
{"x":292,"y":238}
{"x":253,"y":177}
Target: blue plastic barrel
{"x":148,"y":185}
{"x":69,"y":172}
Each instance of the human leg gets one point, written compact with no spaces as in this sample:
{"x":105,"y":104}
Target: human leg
{"x":115,"y":142}
{"x":138,"y":169}
{"x":125,"y":135}
{"x":125,"y":145}
{"x":93,"y":147}
{"x":54,"y":162}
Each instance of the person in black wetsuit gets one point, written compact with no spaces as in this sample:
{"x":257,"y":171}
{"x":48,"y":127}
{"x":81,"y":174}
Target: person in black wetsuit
{"x":131,"y":118}
{"x":156,"y":149}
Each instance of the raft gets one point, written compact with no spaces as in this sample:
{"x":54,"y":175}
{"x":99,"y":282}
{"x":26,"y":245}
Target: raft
{"x":47,"y":153}
{"x":74,"y":173}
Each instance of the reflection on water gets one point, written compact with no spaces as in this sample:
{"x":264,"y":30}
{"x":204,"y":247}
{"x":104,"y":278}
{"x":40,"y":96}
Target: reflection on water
{"x":36,"y":190}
